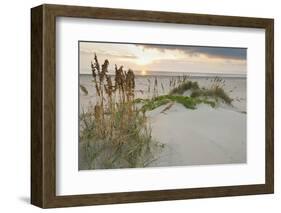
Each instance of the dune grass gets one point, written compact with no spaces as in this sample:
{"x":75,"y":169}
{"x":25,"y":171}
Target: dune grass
{"x":113,"y":132}
{"x":217,"y":93}
{"x":184,"y":86}
{"x":186,"y":101}
{"x":211,"y":96}
{"x":126,"y":145}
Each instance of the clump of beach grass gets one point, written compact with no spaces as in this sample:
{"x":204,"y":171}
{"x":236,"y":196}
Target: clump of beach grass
{"x":186,"y":101}
{"x":184,"y":86}
{"x":216,"y":92}
{"x":113,"y":132}
{"x":211,"y":96}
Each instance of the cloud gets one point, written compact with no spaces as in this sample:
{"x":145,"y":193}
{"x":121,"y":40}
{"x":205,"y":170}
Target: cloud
{"x":108,"y":54}
{"x":211,"y":52}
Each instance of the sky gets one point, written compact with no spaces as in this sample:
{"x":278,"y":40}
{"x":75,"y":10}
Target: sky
{"x":168,"y":58}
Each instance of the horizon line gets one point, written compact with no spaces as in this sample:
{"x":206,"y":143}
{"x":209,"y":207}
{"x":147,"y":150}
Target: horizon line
{"x":175,"y":72}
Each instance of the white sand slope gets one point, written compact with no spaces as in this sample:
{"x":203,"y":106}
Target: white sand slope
{"x":199,"y":137}
{"x":192,"y":137}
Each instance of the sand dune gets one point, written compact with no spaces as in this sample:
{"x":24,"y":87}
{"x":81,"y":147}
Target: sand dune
{"x":202,"y":136}
{"x":199,"y":137}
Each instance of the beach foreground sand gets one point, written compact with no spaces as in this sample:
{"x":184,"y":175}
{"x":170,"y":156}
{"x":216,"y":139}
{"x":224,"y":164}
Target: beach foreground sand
{"x":202,"y":136}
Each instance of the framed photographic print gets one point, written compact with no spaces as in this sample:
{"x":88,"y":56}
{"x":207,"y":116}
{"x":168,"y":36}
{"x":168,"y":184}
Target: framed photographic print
{"x":136,"y":106}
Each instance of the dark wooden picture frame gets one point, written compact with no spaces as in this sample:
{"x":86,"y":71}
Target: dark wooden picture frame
{"x":43,"y":105}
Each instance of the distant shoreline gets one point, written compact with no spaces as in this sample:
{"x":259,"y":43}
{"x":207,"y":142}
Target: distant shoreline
{"x":177,"y":74}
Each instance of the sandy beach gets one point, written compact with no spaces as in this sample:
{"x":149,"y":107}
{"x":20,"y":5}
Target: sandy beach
{"x":202,"y":136}
{"x":199,"y":137}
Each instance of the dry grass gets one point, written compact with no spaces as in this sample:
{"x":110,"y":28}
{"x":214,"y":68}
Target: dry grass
{"x":113,"y":132}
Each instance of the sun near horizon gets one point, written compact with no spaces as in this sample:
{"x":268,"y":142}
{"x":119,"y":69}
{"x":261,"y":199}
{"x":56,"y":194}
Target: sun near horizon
{"x":143,"y":72}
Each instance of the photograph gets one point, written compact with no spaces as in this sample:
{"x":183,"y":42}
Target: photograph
{"x":140,"y":105}
{"x":161,"y":105}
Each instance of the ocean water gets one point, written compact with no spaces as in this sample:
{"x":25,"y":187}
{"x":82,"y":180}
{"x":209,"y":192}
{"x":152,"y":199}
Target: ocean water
{"x":234,"y":85}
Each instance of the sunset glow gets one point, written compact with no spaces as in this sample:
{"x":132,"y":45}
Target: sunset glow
{"x":143,"y":72}
{"x":170,"y":58}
